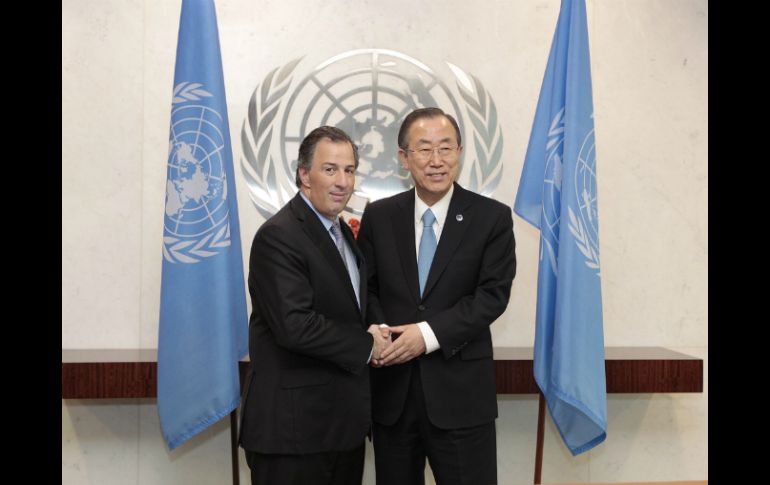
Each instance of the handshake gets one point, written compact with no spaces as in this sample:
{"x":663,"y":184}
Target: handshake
{"x":409,"y":345}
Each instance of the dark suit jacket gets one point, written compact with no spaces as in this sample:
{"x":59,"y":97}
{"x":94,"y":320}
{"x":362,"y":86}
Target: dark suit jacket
{"x":468,"y":287}
{"x":308,"y":387}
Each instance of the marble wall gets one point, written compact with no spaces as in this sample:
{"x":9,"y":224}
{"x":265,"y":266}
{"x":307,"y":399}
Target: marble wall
{"x":650,"y":84}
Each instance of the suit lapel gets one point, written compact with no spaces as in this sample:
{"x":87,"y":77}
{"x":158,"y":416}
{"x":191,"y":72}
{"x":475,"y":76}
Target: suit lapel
{"x":317,"y":233}
{"x":455,"y":225}
{"x":403,"y":230}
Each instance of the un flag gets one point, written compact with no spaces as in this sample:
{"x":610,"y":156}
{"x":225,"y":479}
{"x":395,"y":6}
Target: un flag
{"x":203,"y":321}
{"x":558,"y":195}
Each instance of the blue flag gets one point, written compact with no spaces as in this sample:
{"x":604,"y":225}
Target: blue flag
{"x":558,"y":187}
{"x":203,"y":322}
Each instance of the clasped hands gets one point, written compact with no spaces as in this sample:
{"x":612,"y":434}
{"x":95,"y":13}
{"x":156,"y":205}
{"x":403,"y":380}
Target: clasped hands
{"x":406,"y":347}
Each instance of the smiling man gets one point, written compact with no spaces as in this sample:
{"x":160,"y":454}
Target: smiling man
{"x":440,"y":263}
{"x":306,"y":404}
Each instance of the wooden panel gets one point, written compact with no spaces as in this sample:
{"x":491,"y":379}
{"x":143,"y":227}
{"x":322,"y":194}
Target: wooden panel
{"x":132,"y":373}
{"x":633,"y":376}
{"x":515,"y":377}
{"x":627,"y":370}
{"x":100,"y":380}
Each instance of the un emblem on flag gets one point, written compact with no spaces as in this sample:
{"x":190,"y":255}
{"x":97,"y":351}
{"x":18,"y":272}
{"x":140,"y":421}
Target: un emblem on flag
{"x":366,"y":93}
{"x":580,"y":197}
{"x":196,"y":223}
{"x":584,"y":225}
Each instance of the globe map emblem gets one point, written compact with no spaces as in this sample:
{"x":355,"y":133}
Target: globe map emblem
{"x":585,"y":186}
{"x":552,"y":190}
{"x":196,"y":191}
{"x":581,"y":210}
{"x":366,"y":93}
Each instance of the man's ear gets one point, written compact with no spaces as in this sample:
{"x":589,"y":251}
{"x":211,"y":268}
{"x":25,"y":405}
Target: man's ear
{"x":304,"y":177}
{"x":402,"y":158}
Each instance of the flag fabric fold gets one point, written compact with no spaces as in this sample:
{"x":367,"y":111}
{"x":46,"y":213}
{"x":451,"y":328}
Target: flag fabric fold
{"x":203,"y":322}
{"x":558,"y":194}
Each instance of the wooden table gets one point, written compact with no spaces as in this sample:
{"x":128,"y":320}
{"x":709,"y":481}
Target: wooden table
{"x":106,"y":374}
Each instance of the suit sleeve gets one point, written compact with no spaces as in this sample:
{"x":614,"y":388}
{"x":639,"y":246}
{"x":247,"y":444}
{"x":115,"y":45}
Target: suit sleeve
{"x":280,"y":274}
{"x":455,"y":326}
{"x":374,"y":311}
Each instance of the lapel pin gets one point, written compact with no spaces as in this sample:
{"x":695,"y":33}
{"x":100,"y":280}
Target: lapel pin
{"x":459,"y":217}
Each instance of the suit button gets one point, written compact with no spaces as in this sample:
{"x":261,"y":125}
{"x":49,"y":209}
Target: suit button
{"x":421,"y":308}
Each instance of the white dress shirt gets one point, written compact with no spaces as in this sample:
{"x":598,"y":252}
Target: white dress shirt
{"x":440,"y":210}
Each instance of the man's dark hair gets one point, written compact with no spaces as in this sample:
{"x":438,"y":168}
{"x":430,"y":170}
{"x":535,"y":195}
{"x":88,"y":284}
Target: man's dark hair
{"x":307,"y":147}
{"x":424,"y":113}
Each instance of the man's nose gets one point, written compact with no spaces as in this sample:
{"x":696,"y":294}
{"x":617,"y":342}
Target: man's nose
{"x":435,"y":161}
{"x":342,"y":178}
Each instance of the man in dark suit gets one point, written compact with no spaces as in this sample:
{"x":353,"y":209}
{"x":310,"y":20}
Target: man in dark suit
{"x":306,"y":405}
{"x":441,"y":263}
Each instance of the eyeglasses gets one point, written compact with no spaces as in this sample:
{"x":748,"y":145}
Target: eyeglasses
{"x":425,"y":153}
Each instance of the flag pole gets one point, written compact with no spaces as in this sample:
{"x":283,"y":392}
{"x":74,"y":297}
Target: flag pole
{"x":540,"y":438}
{"x":234,"y":446}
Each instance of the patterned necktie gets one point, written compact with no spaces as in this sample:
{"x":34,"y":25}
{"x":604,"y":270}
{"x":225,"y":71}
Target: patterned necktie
{"x":336,"y":231}
{"x":427,"y":248}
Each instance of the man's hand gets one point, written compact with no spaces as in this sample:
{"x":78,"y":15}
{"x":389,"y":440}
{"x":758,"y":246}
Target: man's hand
{"x":382,"y":341}
{"x":406,"y":347}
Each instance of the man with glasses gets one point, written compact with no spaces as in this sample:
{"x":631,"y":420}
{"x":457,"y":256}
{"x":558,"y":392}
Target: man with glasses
{"x":440,"y":263}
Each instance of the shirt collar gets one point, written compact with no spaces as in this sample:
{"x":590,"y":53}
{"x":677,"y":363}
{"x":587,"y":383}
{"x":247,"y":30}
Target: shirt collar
{"x":324,"y":220}
{"x":439,"y":209}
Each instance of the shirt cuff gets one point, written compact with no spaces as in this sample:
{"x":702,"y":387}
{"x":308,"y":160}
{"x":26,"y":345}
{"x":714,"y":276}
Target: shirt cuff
{"x":431,"y":342}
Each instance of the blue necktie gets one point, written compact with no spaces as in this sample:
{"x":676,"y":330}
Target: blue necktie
{"x":353,"y":274}
{"x":427,"y":248}
{"x":336,"y":231}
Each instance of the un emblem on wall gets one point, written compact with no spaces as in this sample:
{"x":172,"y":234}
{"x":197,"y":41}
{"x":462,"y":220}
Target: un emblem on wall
{"x":366,"y":93}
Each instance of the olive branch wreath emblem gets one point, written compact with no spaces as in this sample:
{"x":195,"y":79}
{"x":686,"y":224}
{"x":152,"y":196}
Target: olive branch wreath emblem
{"x":268,"y":194}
